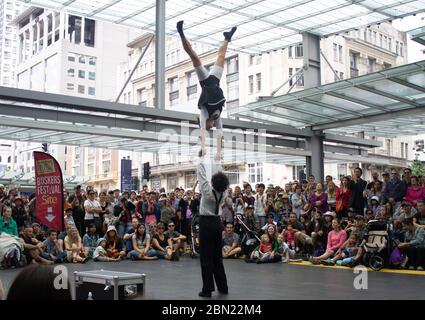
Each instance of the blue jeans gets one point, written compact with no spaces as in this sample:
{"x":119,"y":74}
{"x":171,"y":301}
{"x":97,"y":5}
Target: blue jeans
{"x":123,"y":227}
{"x":135,"y":254}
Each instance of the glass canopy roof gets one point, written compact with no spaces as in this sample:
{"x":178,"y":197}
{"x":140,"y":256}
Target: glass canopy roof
{"x":386,"y":103}
{"x":264,"y":25}
{"x":418,"y":35}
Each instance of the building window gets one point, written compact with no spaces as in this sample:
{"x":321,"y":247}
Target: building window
{"x":92,"y":61}
{"x":299,"y":51}
{"x":74,"y":29}
{"x":70,"y":86}
{"x":374,"y":37}
{"x":233,"y":87}
{"x":142,"y":97}
{"x":192,"y":85}
{"x":71,"y":57}
{"x":92,"y":91}
{"x":190,"y":180}
{"x":174,"y":91}
{"x":233,"y":175}
{"x":290,"y":52}
{"x":258,"y":59}
{"x":402,"y":149}
{"x":92,"y":75}
{"x":71,"y":72}
{"x":342,"y":170}
{"x":255,"y":172}
{"x":341,"y":75}
{"x":390,"y":44}
{"x":353,"y":64}
{"x":406,"y":150}
{"x":106,"y":167}
{"x":82,"y":59}
{"x":251,"y":59}
{"x":251,"y":84}
{"x":340,"y":53}
{"x":397,"y":48}
{"x":81,"y":74}
{"x":81,"y":89}
{"x":381,"y":40}
{"x":232,"y":65}
{"x":300,"y":81}
{"x":155,"y":183}
{"x":90,"y":169}
{"x":401,"y":49}
{"x":172,"y":182}
{"x":258,"y":76}
{"x":89,"y":32}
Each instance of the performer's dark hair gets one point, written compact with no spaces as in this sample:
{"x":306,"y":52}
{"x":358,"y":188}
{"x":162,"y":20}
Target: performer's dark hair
{"x":220,"y":182}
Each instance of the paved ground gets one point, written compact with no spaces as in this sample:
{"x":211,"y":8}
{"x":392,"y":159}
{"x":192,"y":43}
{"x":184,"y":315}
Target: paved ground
{"x":181,"y":280}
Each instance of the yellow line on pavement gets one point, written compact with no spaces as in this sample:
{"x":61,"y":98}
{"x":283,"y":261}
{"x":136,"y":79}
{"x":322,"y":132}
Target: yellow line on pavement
{"x":411,"y":272}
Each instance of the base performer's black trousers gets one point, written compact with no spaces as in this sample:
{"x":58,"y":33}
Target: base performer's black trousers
{"x":210,"y":238}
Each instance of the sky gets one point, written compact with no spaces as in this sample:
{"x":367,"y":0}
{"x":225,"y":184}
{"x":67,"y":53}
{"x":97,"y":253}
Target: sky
{"x":406,"y":24}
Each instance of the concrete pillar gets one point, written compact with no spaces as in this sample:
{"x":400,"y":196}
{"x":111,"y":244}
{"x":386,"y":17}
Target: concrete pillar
{"x":160,"y":55}
{"x":312,"y":78}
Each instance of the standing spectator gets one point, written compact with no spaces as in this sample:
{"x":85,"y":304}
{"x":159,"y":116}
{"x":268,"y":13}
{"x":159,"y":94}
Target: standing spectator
{"x":331,"y":191}
{"x":395,"y":191}
{"x":298,"y":201}
{"x":249,"y":197}
{"x":328,"y":179}
{"x":375,"y":179}
{"x":93,"y":211}
{"x":311,"y":186}
{"x":19,"y":213}
{"x":77,"y":204}
{"x":407,"y":175}
{"x":415,"y":192}
{"x":7,"y":224}
{"x":125,"y":216}
{"x":260,"y":204}
{"x":358,"y":192}
{"x":227,"y":212}
{"x":385,"y":180}
{"x":167,"y":210}
{"x":149,"y":210}
{"x":319,"y":199}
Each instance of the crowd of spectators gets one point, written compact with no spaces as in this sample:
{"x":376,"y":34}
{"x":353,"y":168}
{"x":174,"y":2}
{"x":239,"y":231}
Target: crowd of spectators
{"x":311,"y":220}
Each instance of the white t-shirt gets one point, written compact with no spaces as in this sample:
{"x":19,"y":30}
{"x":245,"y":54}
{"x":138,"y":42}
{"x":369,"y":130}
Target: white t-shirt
{"x":92,"y":204}
{"x":259,"y":205}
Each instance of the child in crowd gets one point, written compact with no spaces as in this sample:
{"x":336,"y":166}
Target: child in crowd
{"x":263,"y":253}
{"x":289,"y":234}
{"x":100,"y":253}
{"x":346,"y":254}
{"x":284,"y":251}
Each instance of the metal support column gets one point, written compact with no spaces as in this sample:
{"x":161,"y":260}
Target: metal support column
{"x":312,"y":78}
{"x":160,"y":55}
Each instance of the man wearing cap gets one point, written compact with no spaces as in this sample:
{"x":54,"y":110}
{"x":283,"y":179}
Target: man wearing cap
{"x":211,"y":228}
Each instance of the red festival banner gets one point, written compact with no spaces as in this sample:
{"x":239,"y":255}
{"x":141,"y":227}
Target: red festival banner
{"x":48,"y":190}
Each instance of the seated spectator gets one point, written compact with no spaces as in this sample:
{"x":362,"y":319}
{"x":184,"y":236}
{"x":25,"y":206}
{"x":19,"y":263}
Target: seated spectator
{"x":114,"y":245}
{"x":32,"y":247}
{"x":129,"y":235}
{"x":413,"y":245}
{"x":419,"y":218}
{"x":163,"y":244}
{"x":37,"y":282}
{"x":53,"y":248}
{"x":369,"y":215}
{"x":264,"y":252}
{"x":100,"y":253}
{"x":405,"y":211}
{"x":336,"y":239}
{"x":38,"y":232}
{"x":415,"y":192}
{"x":11,"y":251}
{"x":177,"y":239}
{"x":90,"y":240}
{"x":322,"y":227}
{"x":303,"y":239}
{"x":249,"y":217}
{"x":74,"y":246}
{"x":284,"y":252}
{"x":270,"y":220}
{"x":142,"y":245}
{"x":345,"y":256}
{"x":289,"y":235}
{"x":7,"y":224}
{"x":180,"y":223}
{"x":231,"y":243}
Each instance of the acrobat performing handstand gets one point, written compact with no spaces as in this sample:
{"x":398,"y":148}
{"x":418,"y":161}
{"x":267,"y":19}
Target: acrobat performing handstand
{"x":212,"y":99}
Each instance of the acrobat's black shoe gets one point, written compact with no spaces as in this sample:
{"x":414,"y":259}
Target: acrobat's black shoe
{"x":180,"y":28}
{"x":228,"y":35}
{"x":205,"y":294}
{"x":223,"y":291}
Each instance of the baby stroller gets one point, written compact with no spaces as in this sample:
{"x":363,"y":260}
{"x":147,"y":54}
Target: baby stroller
{"x":194,"y":232}
{"x":377,"y":244}
{"x":250,"y":239}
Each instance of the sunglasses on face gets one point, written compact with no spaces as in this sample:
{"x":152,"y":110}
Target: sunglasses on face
{"x":171,"y":225}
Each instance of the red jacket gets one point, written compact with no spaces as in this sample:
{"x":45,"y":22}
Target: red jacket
{"x":345,"y":196}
